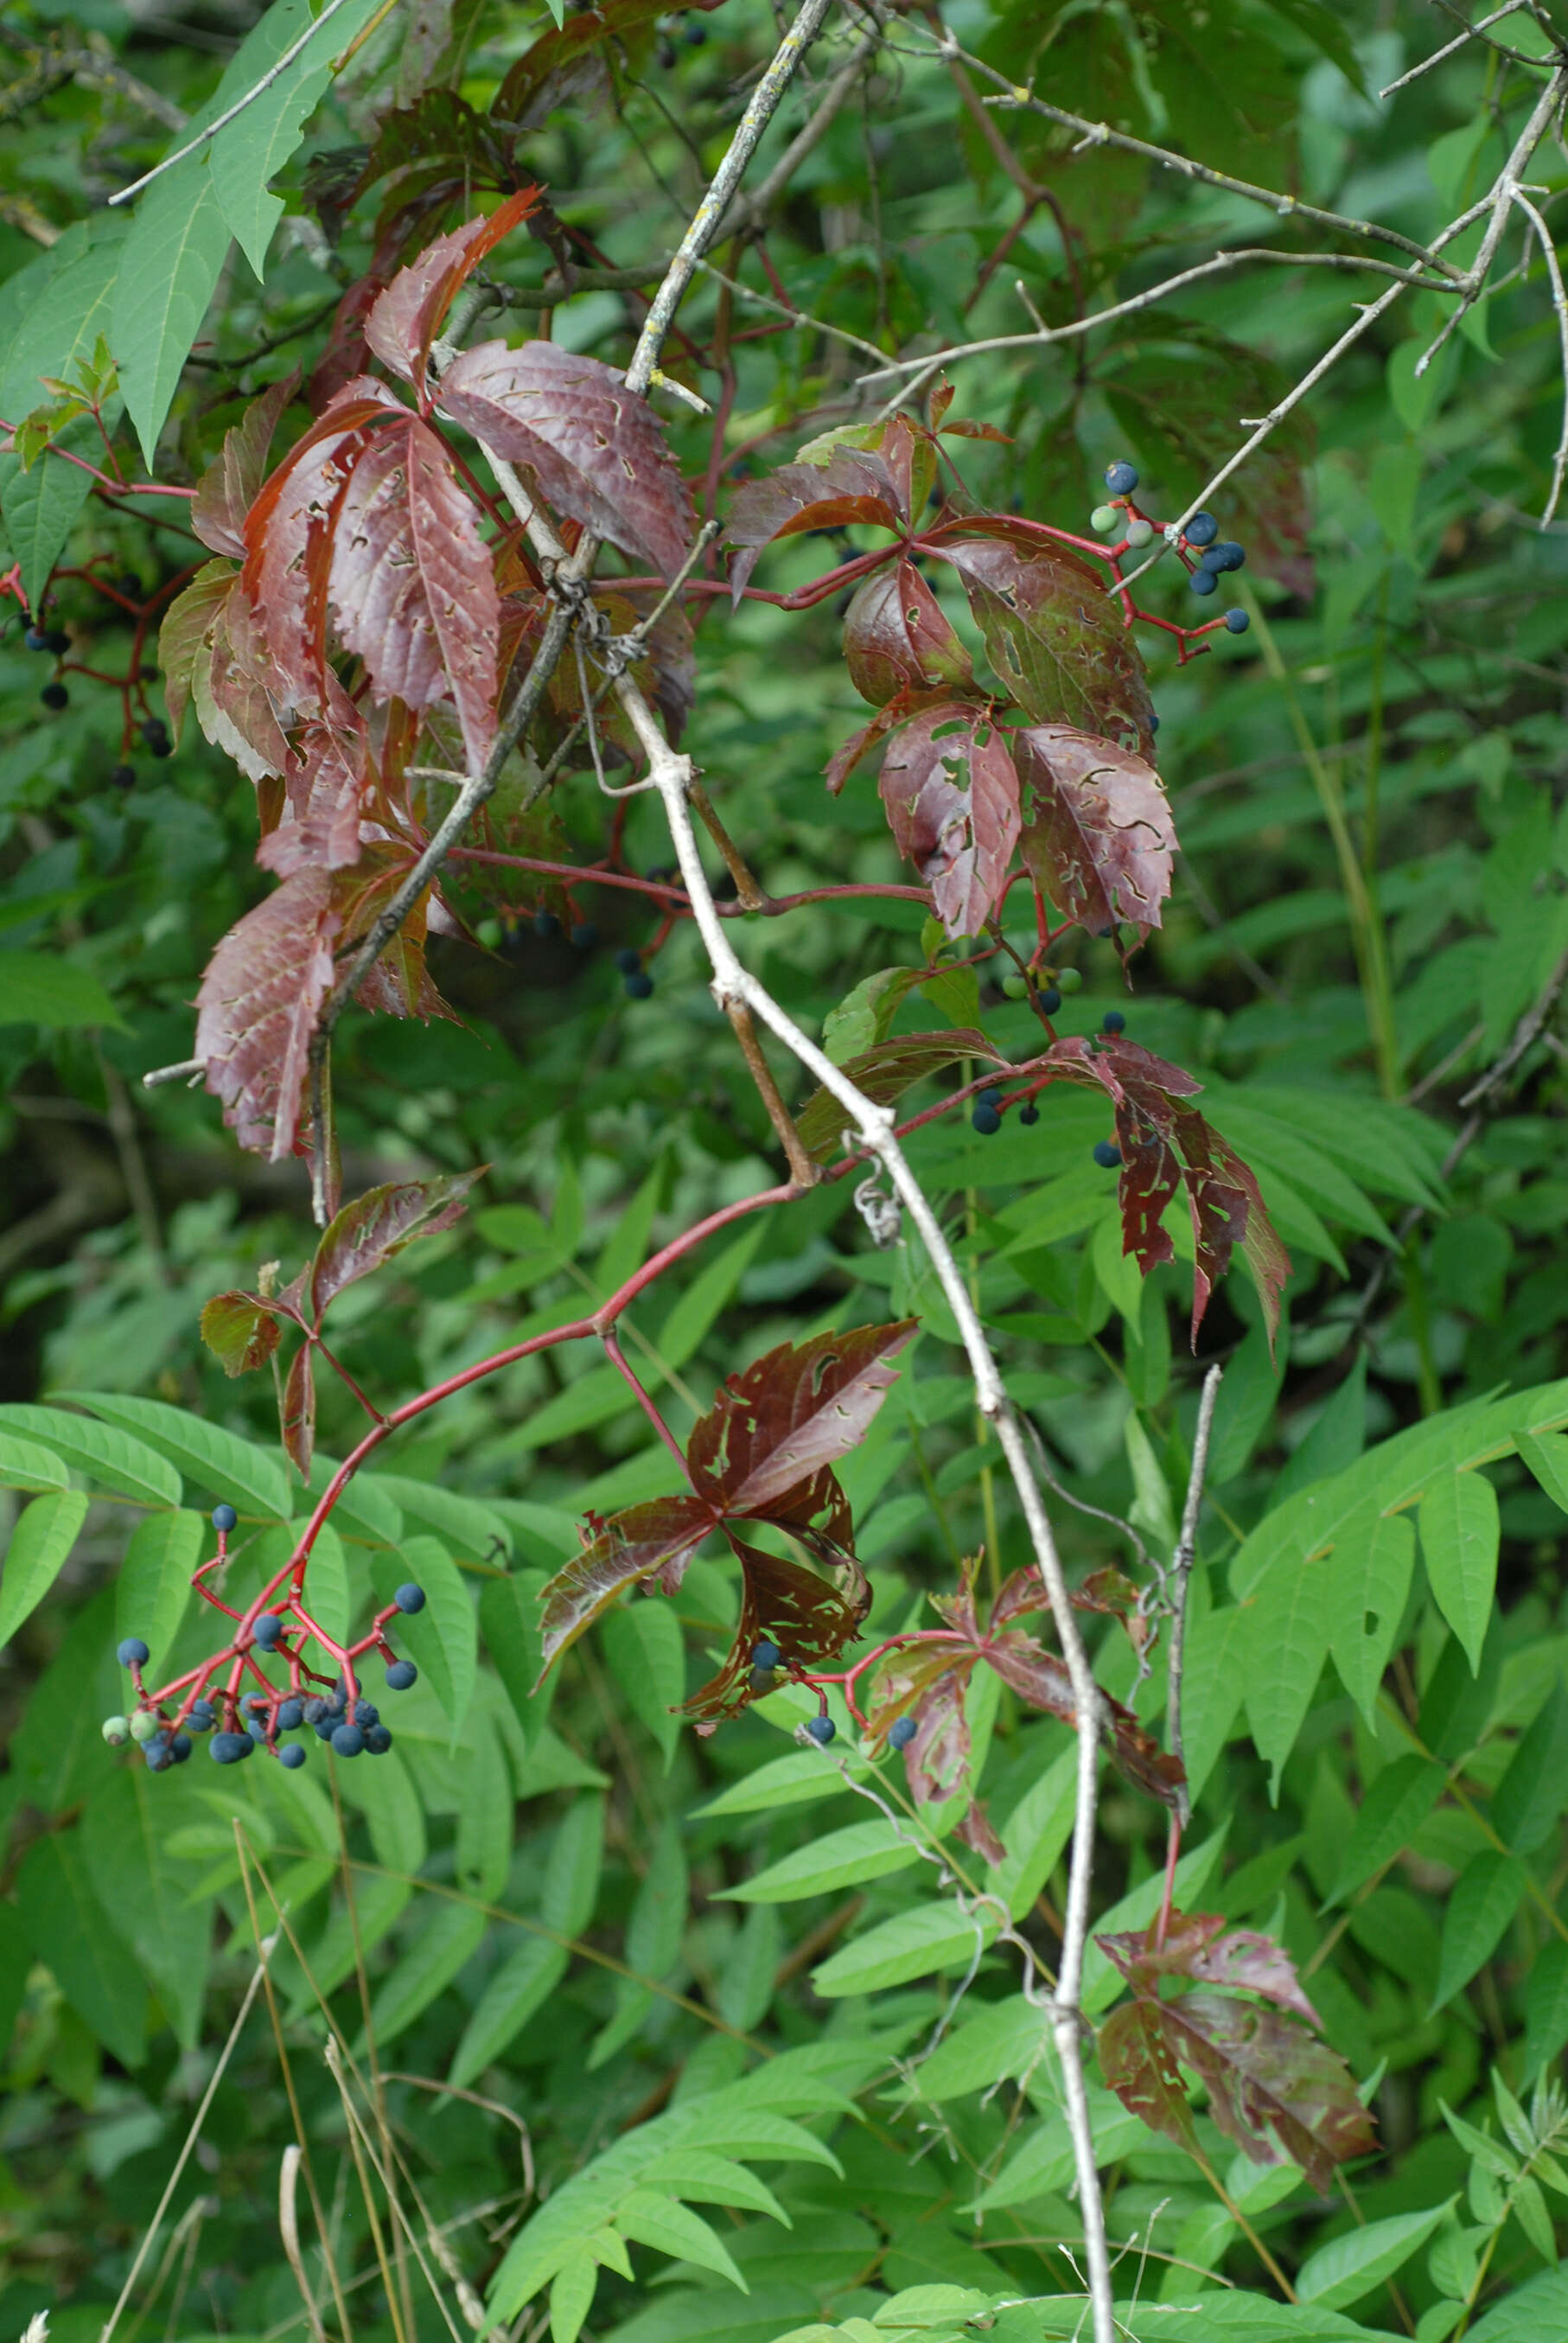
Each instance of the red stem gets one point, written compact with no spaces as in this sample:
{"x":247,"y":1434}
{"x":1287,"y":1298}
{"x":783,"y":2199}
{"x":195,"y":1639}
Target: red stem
{"x":619,"y":1362}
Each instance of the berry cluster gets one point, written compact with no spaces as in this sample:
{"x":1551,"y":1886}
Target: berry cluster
{"x":241,"y":1720}
{"x":989,"y":1105}
{"x":1201,"y":538}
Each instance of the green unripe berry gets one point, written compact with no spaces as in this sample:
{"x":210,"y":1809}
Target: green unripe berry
{"x":1104,"y":519}
{"x":116,"y":1731}
{"x":1015,"y":987}
{"x":1067,"y":980}
{"x":1139,"y":532}
{"x":143,"y":1724}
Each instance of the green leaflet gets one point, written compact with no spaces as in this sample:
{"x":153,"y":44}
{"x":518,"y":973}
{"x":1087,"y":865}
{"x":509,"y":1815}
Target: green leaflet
{"x":1368,"y":1583}
{"x":930,"y":1938}
{"x":24,"y":1464}
{"x":509,"y":1624}
{"x":521,"y":1984}
{"x":425,"y":1966}
{"x":108,"y":1456}
{"x":1459,"y":1537}
{"x":1534,"y":1790}
{"x":69,"y":1931}
{"x":244,"y":158}
{"x":1482,"y":1903}
{"x":1392,"y":1812}
{"x":643,"y":1645}
{"x":214,"y":1459}
{"x":39,"y":1548}
{"x":693,"y":1312}
{"x":469,"y":1529}
{"x":1353,"y":2265}
{"x":146,"y":1891}
{"x":170,"y":266}
{"x":154,"y":1585}
{"x":840,"y":1859}
{"x":442,"y":1639}
{"x":1283,"y":1655}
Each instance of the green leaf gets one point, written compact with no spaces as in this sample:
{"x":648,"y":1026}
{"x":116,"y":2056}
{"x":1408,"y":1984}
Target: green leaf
{"x":694,"y":1313}
{"x":464,"y":1525}
{"x":822,"y":1866}
{"x":442,"y":1638}
{"x":40,"y":508}
{"x":104,"y":1455}
{"x":650,"y":2218}
{"x":793,"y":1781}
{"x":154,"y":1580}
{"x":366,"y":1509}
{"x":572,"y":2296}
{"x":169,"y":268}
{"x":426,"y":1966}
{"x":1545,"y":2006}
{"x":485,"y":1818}
{"x":145,"y":1891}
{"x":510,"y":1623}
{"x":1534,"y":2313}
{"x":44,"y":988}
{"x":1546,"y":1455}
{"x":70,"y":1933}
{"x":1459,"y":1538}
{"x":216,"y":1460}
{"x":921,"y":1943}
{"x":1283,"y":1658}
{"x":657,"y":1921}
{"x":570,"y":1887}
{"x":1533,"y":1791}
{"x":1390,"y":1814}
{"x":1369,"y":1576}
{"x":40,"y":1543}
{"x":1352,"y":2265}
{"x":24,"y":1464}
{"x":1481,"y":1904}
{"x":646,"y":1655}
{"x":247,"y":156}
{"x":522,"y":1984}
{"x":1035,"y":1833}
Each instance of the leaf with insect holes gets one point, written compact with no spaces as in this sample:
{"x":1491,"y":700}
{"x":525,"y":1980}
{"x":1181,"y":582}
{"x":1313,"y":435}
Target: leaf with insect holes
{"x":1140,"y":2064}
{"x":1203,"y":1947}
{"x":1166,"y":1144}
{"x":185,"y":634}
{"x":791,"y":1411}
{"x":884,"y":1073}
{"x":399,"y":984}
{"x":596,"y":449}
{"x":297,"y":1419}
{"x":411,"y":581}
{"x":407,"y":317}
{"x":854,"y":485}
{"x":241,"y":1330}
{"x":898,"y":636}
{"x":257,"y":1006}
{"x":289,"y":528}
{"x":228,"y":488}
{"x":1057,"y":640}
{"x":951,"y":789}
{"x":378,"y":1225}
{"x":215,"y":661}
{"x":1098,"y":837}
{"x":653,"y":1540}
{"x":327,"y":784}
{"x":809,"y":1620}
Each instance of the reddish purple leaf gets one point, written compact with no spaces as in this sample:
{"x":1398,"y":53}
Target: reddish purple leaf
{"x":228,"y":489}
{"x":598,"y":452}
{"x":378,"y":1225}
{"x":412,"y":583}
{"x":1097,"y":835}
{"x":810,"y":1621}
{"x":646,"y":1542}
{"x":298,"y":1420}
{"x":566,"y":62}
{"x":289,"y":535}
{"x":927,"y":1681}
{"x":407,"y":317}
{"x":1058,"y":641}
{"x":853,"y":485}
{"x":241,"y":1330}
{"x":1203,"y":1948}
{"x":951,"y":789}
{"x":1263,"y":2069}
{"x":347,"y":353}
{"x":1140,"y":2065}
{"x":329,"y":782}
{"x":884,"y":1073}
{"x":897,"y":637}
{"x":795,"y":1409}
{"x":257,"y":1007}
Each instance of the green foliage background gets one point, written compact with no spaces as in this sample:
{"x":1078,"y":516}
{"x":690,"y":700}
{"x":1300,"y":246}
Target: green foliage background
{"x":635,"y":1951}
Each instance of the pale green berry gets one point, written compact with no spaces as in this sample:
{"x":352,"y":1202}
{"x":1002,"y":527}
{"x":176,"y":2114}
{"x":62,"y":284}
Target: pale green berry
{"x":1068,"y":979}
{"x":143,"y":1724}
{"x":1104,"y":519}
{"x":1015,"y":987}
{"x":116,"y":1732}
{"x":1139,"y":532}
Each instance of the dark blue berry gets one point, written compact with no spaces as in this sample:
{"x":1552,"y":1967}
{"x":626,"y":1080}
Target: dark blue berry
{"x":1120,"y":478}
{"x":821,"y":1729}
{"x":55,"y":696}
{"x":133,"y":1653}
{"x":315,"y":1709}
{"x":327,"y":1726}
{"x":1050,"y":1000}
{"x":292,"y":1756}
{"x":122,"y":777}
{"x":377,"y":1740}
{"x":902,"y":1731}
{"x":410,"y":1597}
{"x":1202,"y":529}
{"x":989,"y":1097}
{"x":366,"y":1714}
{"x":1203,"y":581}
{"x":1114,"y":1022}
{"x":228,"y":1748}
{"x":180,"y":1747}
{"x":347,"y":1741}
{"x":225,"y":1518}
{"x":763,"y":1680}
{"x":986,"y":1119}
{"x":401,"y":1674}
{"x":156,"y":1758}
{"x":546,"y":924}
{"x":290,"y":1716}
{"x":1029,"y":1113}
{"x":1237,"y":623}
{"x":1154,"y":724}
{"x":202,"y":1717}
{"x":1220,"y":558}
{"x":765,"y":1652}
{"x":1106,"y":1154}
{"x":639,"y":987}
{"x":36,"y":640}
{"x":266,"y":1629}
{"x":628,"y":959}
{"x":585,"y":936}
{"x":256,"y":1728}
